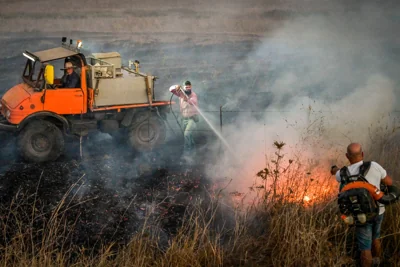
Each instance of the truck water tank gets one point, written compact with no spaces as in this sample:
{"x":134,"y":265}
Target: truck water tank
{"x":112,"y":58}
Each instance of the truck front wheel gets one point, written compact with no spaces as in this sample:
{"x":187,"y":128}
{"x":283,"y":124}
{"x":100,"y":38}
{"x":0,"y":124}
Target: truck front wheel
{"x":40,"y":141}
{"x":147,"y":134}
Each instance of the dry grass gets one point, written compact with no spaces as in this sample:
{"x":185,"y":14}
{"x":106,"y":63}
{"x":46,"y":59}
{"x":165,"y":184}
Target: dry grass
{"x":279,"y":229}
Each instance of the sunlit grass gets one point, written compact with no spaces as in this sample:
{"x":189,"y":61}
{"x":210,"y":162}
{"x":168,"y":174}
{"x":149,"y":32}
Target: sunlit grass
{"x":291,"y":222}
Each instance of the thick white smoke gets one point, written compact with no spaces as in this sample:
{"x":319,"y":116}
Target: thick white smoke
{"x":331,"y":88}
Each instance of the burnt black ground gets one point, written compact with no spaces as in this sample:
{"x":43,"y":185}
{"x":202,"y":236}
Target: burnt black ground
{"x":112,"y":190}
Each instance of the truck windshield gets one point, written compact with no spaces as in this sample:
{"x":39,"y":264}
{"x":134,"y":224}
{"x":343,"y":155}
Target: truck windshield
{"x":33,"y":74}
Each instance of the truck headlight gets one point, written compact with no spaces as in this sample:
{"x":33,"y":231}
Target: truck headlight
{"x":8,"y":113}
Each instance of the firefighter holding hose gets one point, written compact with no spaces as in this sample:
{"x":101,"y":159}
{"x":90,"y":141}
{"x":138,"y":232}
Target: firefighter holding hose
{"x":361,"y":201}
{"x":190,"y":115}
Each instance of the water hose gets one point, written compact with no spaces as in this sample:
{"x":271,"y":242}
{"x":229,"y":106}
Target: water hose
{"x":177,"y":121}
{"x":391,"y":197}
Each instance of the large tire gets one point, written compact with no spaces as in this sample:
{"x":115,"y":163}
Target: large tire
{"x":40,"y":141}
{"x":147,"y":132}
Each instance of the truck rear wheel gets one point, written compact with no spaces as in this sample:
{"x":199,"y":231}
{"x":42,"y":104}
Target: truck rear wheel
{"x":40,"y":141}
{"x":147,"y":134}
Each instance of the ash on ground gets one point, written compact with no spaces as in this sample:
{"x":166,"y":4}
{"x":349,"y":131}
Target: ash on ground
{"x":108,"y":194}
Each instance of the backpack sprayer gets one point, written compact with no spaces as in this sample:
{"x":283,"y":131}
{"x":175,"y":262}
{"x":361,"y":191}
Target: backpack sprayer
{"x":359,"y":200}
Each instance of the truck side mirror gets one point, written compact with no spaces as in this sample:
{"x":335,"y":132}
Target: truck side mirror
{"x":49,"y":74}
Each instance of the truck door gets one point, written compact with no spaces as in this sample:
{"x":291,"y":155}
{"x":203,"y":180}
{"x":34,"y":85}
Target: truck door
{"x":64,"y":101}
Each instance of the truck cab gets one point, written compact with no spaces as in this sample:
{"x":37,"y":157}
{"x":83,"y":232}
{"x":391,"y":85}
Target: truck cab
{"x":40,"y":91}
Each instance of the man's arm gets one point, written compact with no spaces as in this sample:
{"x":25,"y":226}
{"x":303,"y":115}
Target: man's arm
{"x":192,"y":100}
{"x":63,"y":81}
{"x":385,"y":178}
{"x":175,"y":89}
{"x":334,"y":169}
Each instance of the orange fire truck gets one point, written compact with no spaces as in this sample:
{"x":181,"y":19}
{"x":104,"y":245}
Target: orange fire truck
{"x":111,"y":97}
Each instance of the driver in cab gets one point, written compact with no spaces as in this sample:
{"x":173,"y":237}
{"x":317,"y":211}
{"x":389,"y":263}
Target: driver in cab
{"x":71,"y":78}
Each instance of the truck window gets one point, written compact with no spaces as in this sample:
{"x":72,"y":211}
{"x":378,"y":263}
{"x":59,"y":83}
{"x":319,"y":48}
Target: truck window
{"x":36,"y":73}
{"x":28,"y":69}
{"x":58,"y":68}
{"x":31,"y":73}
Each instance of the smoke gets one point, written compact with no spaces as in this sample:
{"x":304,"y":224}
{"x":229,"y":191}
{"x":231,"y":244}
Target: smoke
{"x":318,"y":78}
{"x":330,"y":78}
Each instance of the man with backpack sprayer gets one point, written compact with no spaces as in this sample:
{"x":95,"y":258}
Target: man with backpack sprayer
{"x":361,"y":201}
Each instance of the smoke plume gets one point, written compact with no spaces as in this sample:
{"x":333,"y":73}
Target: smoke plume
{"x":331,"y":81}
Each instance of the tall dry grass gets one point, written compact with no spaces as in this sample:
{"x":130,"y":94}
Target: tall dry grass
{"x":278,"y":228}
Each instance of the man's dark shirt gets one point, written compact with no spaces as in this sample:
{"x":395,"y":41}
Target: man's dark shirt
{"x":71,"y":81}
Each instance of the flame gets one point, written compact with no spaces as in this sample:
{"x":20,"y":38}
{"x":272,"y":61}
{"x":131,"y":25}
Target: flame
{"x":302,"y":186}
{"x":301,"y":178}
